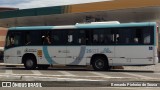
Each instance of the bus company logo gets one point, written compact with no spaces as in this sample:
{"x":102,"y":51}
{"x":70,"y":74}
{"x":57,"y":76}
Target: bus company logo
{"x":105,"y":50}
{"x":6,"y":84}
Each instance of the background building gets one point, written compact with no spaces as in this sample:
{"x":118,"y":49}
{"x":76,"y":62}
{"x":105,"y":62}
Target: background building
{"x":3,"y":9}
{"x":114,"y":10}
{"x":3,"y":30}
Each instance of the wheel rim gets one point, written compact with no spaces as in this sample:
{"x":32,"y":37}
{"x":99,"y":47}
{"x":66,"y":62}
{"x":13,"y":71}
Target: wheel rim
{"x":29,"y":63}
{"x":99,"y":64}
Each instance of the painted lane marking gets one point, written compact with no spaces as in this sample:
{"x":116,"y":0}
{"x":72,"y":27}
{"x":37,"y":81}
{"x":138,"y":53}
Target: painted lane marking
{"x":8,"y":72}
{"x":157,"y":73}
{"x":66,"y":73}
{"x":54,"y":75}
{"x":36,"y":72}
{"x":75,"y":79}
{"x":100,"y":74}
{"x":139,"y":76}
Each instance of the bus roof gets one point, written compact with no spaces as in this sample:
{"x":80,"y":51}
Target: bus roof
{"x":85,"y":25}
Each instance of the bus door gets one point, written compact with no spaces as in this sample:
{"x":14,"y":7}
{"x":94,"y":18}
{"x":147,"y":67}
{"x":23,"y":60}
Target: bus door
{"x":57,"y":54}
{"x":13,"y":52}
{"x":58,"y":50}
{"x":120,"y":49}
{"x":76,"y":47}
{"x":74,"y":55}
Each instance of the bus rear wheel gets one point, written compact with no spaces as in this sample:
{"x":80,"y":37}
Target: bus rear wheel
{"x":30,"y":63}
{"x":100,"y":64}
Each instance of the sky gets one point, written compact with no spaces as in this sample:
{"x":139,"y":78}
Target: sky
{"x":24,"y":4}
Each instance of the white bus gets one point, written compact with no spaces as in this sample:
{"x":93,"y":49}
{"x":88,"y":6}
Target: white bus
{"x":98,"y":44}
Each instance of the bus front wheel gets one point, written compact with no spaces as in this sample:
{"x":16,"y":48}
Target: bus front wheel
{"x":30,"y":63}
{"x":100,"y":64}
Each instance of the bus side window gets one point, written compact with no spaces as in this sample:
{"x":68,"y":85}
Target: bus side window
{"x":12,"y":41}
{"x":46,"y":38}
{"x":117,"y":38}
{"x":8,"y":41}
{"x":73,"y":37}
{"x":59,"y":37}
{"x":147,"y":37}
{"x":55,"y":39}
{"x":101,"y":38}
{"x":16,"y":40}
{"x":70,"y":38}
{"x":82,"y":40}
{"x":95,"y":38}
{"x":82,"y":37}
{"x":27,"y":38}
{"x":136,"y":40}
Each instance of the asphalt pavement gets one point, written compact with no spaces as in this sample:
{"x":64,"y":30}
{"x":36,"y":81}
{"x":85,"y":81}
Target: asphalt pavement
{"x":83,"y":76}
{"x":63,"y":73}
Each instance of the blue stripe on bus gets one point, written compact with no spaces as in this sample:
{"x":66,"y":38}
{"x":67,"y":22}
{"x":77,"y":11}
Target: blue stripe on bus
{"x":32,"y":28}
{"x":47,"y":56}
{"x":79,"y":26}
{"x":115,"y":25}
{"x":80,"y":56}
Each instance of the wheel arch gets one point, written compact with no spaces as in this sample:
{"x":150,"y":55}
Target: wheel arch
{"x":98,"y":55}
{"x":27,"y":55}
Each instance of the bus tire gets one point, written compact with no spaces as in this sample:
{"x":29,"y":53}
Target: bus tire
{"x":100,"y":63}
{"x":30,"y":63}
{"x":43,"y":67}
